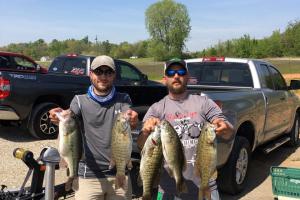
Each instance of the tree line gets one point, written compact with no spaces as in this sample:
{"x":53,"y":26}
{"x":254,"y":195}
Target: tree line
{"x":40,"y":48}
{"x":278,"y":44}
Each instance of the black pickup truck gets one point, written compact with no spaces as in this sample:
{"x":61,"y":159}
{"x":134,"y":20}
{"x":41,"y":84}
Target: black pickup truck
{"x":28,"y":91}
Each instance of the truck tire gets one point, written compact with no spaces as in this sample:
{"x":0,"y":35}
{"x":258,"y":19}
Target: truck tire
{"x":294,"y":134}
{"x":232,"y":176}
{"x":39,"y":124}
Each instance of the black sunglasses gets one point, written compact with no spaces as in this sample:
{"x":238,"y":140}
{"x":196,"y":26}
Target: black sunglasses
{"x":107,"y":72}
{"x":172,"y":72}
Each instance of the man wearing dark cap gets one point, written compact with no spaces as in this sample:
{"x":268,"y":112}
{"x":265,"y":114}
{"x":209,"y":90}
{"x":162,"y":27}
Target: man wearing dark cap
{"x":97,"y":111}
{"x":187,"y":113}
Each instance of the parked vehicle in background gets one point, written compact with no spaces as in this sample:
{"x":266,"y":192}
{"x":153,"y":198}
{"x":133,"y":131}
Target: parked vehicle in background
{"x":28,"y":91}
{"x":256,"y":99}
{"x":251,"y":93}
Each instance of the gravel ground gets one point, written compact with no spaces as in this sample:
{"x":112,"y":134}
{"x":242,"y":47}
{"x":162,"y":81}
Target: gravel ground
{"x":259,"y":186}
{"x":12,"y":170}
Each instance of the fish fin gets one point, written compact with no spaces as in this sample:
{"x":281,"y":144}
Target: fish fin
{"x":75,"y":184}
{"x":184,"y":158}
{"x":157,"y":178}
{"x":207,"y":194}
{"x":156,"y":181}
{"x":181,"y":187}
{"x":169,"y":172}
{"x":143,"y":151}
{"x":215,"y":175}
{"x":200,"y":194}
{"x":68,"y":184}
{"x":120,"y":181}
{"x":63,"y":163}
{"x":112,"y":164}
{"x":129,"y":165}
{"x":146,"y":197}
{"x":139,"y":181}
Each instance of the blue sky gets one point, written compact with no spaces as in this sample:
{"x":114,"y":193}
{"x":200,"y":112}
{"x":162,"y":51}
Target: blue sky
{"x":121,"y":20}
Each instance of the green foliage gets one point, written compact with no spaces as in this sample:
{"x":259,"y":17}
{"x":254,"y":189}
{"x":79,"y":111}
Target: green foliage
{"x":277,"y":45}
{"x":168,"y":24}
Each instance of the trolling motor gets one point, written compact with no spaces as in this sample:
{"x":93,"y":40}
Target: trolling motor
{"x":51,"y":157}
{"x":44,"y":165}
{"x":36,"y":188}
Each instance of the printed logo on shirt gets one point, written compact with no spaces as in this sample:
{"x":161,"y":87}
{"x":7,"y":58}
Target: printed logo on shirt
{"x":184,"y":123}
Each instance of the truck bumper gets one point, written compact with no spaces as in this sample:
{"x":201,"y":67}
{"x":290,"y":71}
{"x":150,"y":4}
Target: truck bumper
{"x":7,"y":113}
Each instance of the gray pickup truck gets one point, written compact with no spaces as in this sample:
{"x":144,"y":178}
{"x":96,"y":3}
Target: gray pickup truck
{"x":257,"y":101}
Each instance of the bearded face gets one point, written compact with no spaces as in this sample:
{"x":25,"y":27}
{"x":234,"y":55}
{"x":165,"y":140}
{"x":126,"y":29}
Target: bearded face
{"x":102,"y":80}
{"x":176,"y":81}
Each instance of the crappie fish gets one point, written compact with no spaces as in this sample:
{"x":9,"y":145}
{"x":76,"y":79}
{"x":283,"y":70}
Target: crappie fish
{"x":206,"y":159}
{"x":121,"y":147}
{"x":151,"y":163}
{"x":173,"y":154}
{"x":70,"y":146}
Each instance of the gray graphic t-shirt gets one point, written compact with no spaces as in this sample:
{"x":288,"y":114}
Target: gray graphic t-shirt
{"x":187,"y":117}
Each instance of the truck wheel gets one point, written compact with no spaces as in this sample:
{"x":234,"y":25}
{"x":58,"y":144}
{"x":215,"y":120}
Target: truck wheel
{"x":294,"y":134}
{"x":39,"y":124}
{"x":233,"y":174}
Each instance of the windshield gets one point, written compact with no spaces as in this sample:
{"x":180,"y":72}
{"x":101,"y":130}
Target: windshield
{"x":220,"y":74}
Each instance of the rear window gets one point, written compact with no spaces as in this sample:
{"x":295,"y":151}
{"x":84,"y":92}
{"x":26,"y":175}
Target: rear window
{"x":69,"y":65}
{"x":4,"y":62}
{"x":220,"y":74}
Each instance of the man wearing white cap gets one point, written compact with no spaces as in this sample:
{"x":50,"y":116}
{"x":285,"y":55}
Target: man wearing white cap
{"x":97,"y":110}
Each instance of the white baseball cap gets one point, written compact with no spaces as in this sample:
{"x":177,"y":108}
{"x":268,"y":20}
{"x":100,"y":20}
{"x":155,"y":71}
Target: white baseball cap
{"x":103,"y":60}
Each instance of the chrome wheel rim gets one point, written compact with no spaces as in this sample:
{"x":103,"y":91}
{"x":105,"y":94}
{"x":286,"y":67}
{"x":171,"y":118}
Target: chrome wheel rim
{"x":241,"y":166}
{"x":46,"y":126}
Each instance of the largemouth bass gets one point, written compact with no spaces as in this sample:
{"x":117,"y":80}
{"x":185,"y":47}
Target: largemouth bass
{"x":174,"y":155}
{"x":206,"y":159}
{"x":151,"y":163}
{"x":121,"y":147}
{"x":70,"y":146}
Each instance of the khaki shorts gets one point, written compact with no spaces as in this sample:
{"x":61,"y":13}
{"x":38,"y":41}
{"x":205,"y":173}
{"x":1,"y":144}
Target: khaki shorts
{"x":103,"y":189}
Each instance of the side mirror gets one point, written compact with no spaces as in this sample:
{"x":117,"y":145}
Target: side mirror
{"x":294,"y":85}
{"x":144,"y":77}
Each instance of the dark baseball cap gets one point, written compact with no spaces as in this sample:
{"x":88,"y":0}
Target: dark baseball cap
{"x":175,"y":61}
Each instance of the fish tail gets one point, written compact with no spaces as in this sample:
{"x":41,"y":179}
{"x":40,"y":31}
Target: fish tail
{"x":69,"y":183}
{"x":204,"y":194}
{"x":181,"y":187}
{"x":75,"y":184}
{"x":207,"y":194}
{"x":146,"y":197}
{"x":120,"y":181}
{"x":129,"y":165}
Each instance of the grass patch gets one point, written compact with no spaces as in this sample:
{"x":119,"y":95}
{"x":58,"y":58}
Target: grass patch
{"x":153,"y":69}
{"x":288,"y":66}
